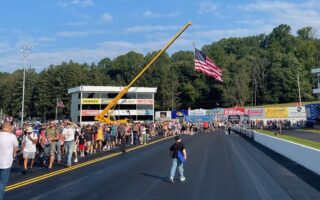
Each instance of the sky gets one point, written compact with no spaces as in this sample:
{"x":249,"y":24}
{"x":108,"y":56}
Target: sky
{"x":87,"y":31}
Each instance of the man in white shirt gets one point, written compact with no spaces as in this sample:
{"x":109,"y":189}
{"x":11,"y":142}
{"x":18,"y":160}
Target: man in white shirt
{"x":143,"y":131}
{"x":29,"y":142}
{"x":8,"y":149}
{"x":68,"y":134}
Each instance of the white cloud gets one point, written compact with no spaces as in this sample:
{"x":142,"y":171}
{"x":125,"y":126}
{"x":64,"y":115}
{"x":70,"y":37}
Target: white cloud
{"x":106,"y":18}
{"x":80,"y":23}
{"x":152,"y":14}
{"x":110,"y":49}
{"x":46,"y":39}
{"x":149,"y":13}
{"x":217,"y":34}
{"x":4,"y":47}
{"x":78,"y":33}
{"x":207,"y":7}
{"x":82,"y":3}
{"x":297,"y":15}
{"x":150,"y":28}
{"x":173,"y":14}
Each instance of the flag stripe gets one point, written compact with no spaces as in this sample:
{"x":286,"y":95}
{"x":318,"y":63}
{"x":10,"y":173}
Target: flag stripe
{"x":200,"y":64}
{"x":208,"y":72}
{"x":205,"y":70}
{"x":200,"y":69}
{"x":211,"y":64}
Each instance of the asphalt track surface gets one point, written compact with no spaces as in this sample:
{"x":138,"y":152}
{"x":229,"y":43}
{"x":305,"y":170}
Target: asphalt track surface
{"x":301,"y":134}
{"x":219,"y":166}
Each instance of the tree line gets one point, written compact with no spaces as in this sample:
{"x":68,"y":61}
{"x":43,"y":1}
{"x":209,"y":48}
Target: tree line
{"x":257,"y":70}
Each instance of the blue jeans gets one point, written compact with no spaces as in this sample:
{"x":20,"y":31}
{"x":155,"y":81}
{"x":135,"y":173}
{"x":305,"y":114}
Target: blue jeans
{"x":176,"y":163}
{"x":58,"y":148}
{"x":69,"y":147}
{"x":4,"y":177}
{"x":135,"y":138}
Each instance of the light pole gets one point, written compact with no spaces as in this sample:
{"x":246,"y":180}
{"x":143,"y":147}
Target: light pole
{"x":299,"y":90}
{"x":25,"y":52}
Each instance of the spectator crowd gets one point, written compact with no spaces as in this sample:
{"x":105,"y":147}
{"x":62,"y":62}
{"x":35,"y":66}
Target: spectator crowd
{"x":65,"y":143}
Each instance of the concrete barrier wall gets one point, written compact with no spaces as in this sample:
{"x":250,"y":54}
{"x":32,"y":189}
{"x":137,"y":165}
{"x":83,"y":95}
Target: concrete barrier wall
{"x":305,"y":156}
{"x":247,"y":132}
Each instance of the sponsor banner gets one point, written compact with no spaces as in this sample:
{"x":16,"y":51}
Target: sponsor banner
{"x":313,"y":111}
{"x":276,"y":112}
{"x":234,"y":111}
{"x":127,"y":101}
{"x":215,"y":111}
{"x":297,"y":112}
{"x":145,"y":101}
{"x":197,"y":112}
{"x":144,"y":112}
{"x":121,"y":101}
{"x":179,"y":114}
{"x":163,"y":115}
{"x":90,"y":101}
{"x":195,"y":118}
{"x":233,"y":118}
{"x":90,"y":112}
{"x":124,"y":112}
{"x":105,"y":101}
{"x":254,"y":112}
{"x":118,"y":112}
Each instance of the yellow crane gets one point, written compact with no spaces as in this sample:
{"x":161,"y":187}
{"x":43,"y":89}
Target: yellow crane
{"x":105,"y":115}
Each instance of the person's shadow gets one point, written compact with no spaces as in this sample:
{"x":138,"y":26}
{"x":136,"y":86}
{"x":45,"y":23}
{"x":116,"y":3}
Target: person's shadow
{"x":164,"y":179}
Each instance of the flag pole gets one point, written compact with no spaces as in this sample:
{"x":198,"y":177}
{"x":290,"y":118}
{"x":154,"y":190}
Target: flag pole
{"x":194,"y":55}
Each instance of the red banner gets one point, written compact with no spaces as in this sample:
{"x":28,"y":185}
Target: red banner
{"x":234,"y":111}
{"x":254,"y":112}
{"x":145,"y":101}
{"x":89,"y":112}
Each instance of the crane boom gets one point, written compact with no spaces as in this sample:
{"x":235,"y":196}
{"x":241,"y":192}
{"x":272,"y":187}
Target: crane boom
{"x":108,"y":109}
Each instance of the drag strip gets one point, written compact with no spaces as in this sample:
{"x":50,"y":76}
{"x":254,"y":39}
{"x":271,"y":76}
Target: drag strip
{"x":219,"y":166}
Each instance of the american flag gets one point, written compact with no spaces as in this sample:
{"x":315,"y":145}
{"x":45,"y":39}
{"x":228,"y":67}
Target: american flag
{"x":60,"y":104}
{"x":205,"y":65}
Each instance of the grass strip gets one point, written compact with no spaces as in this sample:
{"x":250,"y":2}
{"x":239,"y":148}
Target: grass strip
{"x":305,"y":142}
{"x":311,"y":130}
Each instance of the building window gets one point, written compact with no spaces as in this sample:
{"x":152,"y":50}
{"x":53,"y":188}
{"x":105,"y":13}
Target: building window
{"x":144,"y":107}
{"x":87,"y":118}
{"x":145,"y":118}
{"x":130,"y":96}
{"x":128,"y":107}
{"x":111,"y":95}
{"x":104,"y":95}
{"x":91,"y":95}
{"x":90,"y":107}
{"x":144,"y":96}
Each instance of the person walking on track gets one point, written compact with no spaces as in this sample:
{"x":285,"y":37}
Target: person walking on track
{"x":8,"y":148}
{"x":179,"y":155}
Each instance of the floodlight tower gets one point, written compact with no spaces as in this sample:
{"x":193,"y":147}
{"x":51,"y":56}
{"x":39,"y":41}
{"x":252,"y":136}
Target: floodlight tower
{"x":25,"y":49}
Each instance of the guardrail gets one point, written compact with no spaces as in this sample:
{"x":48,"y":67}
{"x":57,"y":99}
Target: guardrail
{"x":306,"y":156}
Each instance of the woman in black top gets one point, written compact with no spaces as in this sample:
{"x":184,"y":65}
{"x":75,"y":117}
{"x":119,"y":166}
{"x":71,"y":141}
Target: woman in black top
{"x":179,"y":155}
